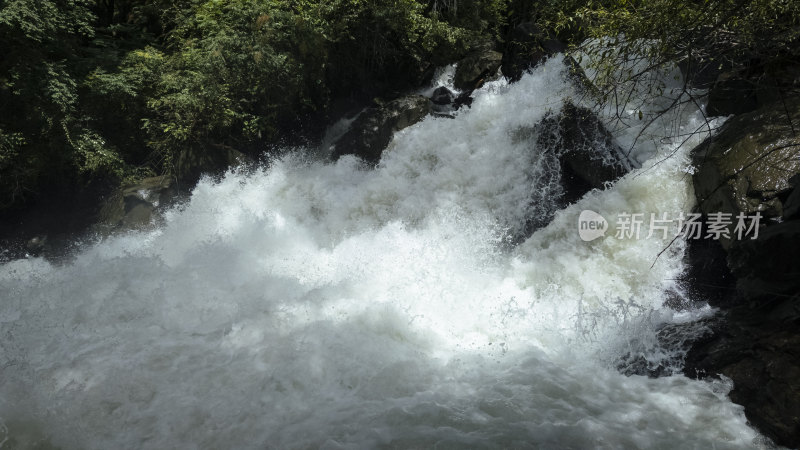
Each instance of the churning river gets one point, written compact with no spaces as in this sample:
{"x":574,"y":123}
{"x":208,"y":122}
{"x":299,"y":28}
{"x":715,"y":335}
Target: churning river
{"x":310,"y":304}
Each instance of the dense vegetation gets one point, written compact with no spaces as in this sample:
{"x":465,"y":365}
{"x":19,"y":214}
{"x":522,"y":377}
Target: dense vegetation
{"x":96,"y":92}
{"x":100,"y":91}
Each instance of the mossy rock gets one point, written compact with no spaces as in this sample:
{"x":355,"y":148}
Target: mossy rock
{"x":748,"y":165}
{"x":135,"y":205}
{"x":476,"y":68}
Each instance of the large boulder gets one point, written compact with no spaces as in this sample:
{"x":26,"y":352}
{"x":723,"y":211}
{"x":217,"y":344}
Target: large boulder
{"x":589,"y":156}
{"x":442,"y":96}
{"x":476,"y":68}
{"x":748,"y":165}
{"x":372,"y":130}
{"x":578,"y":154}
{"x":751,"y":166}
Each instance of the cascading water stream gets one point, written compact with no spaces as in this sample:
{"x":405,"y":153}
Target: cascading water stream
{"x":323,"y":305}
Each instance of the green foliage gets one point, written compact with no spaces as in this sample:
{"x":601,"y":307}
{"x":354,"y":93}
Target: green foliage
{"x":241,"y":73}
{"x":11,"y":171}
{"x":95,"y":157}
{"x":739,"y":35}
{"x":99,"y":89}
{"x":110,"y":90}
{"x":37,"y":90}
{"x":480,"y":15}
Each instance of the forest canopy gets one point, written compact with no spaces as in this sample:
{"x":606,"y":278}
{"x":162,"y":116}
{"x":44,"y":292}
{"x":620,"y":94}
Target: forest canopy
{"x":99,"y":93}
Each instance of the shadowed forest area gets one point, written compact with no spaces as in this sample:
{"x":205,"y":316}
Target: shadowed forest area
{"x":95,"y":94}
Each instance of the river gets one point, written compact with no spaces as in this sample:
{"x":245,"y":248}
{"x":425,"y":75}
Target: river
{"x":310,"y":304}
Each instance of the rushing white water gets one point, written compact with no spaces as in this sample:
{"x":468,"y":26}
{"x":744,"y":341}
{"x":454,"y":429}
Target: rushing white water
{"x":319,"y":305}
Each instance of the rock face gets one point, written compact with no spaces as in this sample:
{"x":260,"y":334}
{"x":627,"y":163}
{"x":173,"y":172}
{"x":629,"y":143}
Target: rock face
{"x":767,"y":269}
{"x":372,"y":131}
{"x":747,"y":166}
{"x":751,"y":166}
{"x":588,"y":155}
{"x":761,"y":357}
{"x":476,"y":68}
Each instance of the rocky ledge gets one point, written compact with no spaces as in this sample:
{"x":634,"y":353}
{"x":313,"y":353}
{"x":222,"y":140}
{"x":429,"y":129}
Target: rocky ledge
{"x":752,"y":166}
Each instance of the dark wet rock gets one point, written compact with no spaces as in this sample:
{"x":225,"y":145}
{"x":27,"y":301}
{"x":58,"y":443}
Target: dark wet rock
{"x":701,"y":73}
{"x":528,"y":45}
{"x":442,"y":96}
{"x":443,"y":100}
{"x":49,"y":226}
{"x":589,"y":156}
{"x":791,"y":205}
{"x":747,"y":166}
{"x":136,"y":205}
{"x":762,"y":358}
{"x":476,"y":68}
{"x":577,"y":154}
{"x":751,"y":166}
{"x":464,"y":99}
{"x":708,"y":276}
{"x":767,"y":269}
{"x":678,"y":301}
{"x":372,"y":131}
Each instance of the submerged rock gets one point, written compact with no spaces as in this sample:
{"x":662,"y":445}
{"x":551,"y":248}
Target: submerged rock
{"x":36,"y":245}
{"x":372,"y":131}
{"x":665,"y":356}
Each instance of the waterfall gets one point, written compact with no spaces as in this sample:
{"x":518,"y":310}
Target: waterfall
{"x":310,"y":304}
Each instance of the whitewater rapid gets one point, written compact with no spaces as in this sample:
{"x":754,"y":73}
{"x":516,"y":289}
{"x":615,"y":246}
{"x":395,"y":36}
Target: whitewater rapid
{"x":310,"y":304}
